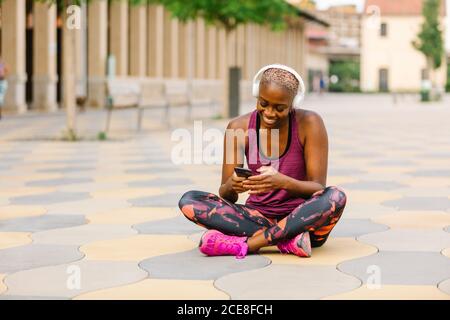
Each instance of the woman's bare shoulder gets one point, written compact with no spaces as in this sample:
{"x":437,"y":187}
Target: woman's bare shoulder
{"x":240,"y":122}
{"x":306,"y":118}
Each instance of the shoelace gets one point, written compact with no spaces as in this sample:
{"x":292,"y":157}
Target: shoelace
{"x":236,"y":247}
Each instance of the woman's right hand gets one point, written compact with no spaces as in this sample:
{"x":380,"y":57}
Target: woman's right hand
{"x":236,"y":183}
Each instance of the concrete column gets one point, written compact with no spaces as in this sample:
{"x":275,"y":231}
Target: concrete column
{"x":13,"y":45}
{"x":170,"y":46}
{"x":241,"y":43}
{"x":118,"y":35}
{"x":44,"y":57}
{"x":211,"y":44}
{"x":138,"y":41}
{"x":221,"y":64}
{"x":155,"y":36}
{"x":200,"y":49}
{"x":81,"y":55}
{"x":183,"y":47}
{"x":97,"y":51}
{"x":250,"y":51}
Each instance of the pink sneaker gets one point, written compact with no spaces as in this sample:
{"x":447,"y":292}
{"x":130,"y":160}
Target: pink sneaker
{"x":300,"y":245}
{"x":215,"y":243}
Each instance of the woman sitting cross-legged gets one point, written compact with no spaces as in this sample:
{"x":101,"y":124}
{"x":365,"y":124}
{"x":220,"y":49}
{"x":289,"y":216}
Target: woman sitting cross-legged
{"x":289,"y":204}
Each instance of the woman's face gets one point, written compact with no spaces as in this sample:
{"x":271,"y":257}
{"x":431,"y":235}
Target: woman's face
{"x":274,"y":104}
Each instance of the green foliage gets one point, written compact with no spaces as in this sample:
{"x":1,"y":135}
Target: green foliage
{"x":447,"y":85}
{"x":348,"y":74}
{"x":429,"y":40}
{"x":231,"y":13}
{"x":102,"y":136}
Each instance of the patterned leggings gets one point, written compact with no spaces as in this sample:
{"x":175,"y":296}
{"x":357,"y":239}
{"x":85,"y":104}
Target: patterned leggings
{"x":318,"y":215}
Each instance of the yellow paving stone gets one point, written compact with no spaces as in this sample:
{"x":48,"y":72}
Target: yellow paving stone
{"x":14,"y":239}
{"x":393,"y":292}
{"x":133,"y":215}
{"x":371,"y":197}
{"x":16,"y":211}
{"x":338,"y":180}
{"x":3,"y":286}
{"x":127,"y":193}
{"x":136,"y":248}
{"x":387,"y":169}
{"x":23,"y":191}
{"x":415,"y":219}
{"x":333,"y":252}
{"x":38,"y":176}
{"x":159,"y":289}
{"x":123,"y":177}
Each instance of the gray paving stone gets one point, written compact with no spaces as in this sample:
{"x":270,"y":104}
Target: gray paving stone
{"x":401,"y":268}
{"x":40,"y":223}
{"x":36,"y":255}
{"x":161,"y":182}
{"x":419,"y":203}
{"x":408,"y":240}
{"x":344,"y":171}
{"x":447,"y":229}
{"x":437,"y":155}
{"x":4,"y":168}
{"x":50,"y":198}
{"x":430,"y":173}
{"x":373,"y":185}
{"x":165,"y":200}
{"x":356,"y":227}
{"x":53,"y":280}
{"x":68,"y":169}
{"x":85,"y":207}
{"x":177,"y":225}
{"x":194,"y":265}
{"x":362,"y":154}
{"x":58,"y":182}
{"x":155,"y":160}
{"x":289,"y":282}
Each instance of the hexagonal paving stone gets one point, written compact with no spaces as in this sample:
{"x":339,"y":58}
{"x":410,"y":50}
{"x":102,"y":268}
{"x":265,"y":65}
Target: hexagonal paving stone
{"x":408,"y":240}
{"x":447,"y":229}
{"x":356,"y":227}
{"x":370,"y":197}
{"x":50,"y":198}
{"x":132,"y":215}
{"x":400,"y":268}
{"x":86,"y":207}
{"x":287,"y":282}
{"x":7,"y":297}
{"x":419,"y":203}
{"x":45,"y":222}
{"x":444,"y":286}
{"x":394,"y":162}
{"x":177,"y":225}
{"x":3,"y":287}
{"x":161,"y":182}
{"x":158,"y":289}
{"x":338,"y":171}
{"x":389,"y":292}
{"x":373,"y":185}
{"x":334,"y":251}
{"x":126,"y":193}
{"x":136,"y":248}
{"x":83,"y":234}
{"x":36,"y":255}
{"x":196,"y":266}
{"x":57,"y":182}
{"x":56,"y":280}
{"x":14,"y":239}
{"x":150,"y":170}
{"x":165,"y":200}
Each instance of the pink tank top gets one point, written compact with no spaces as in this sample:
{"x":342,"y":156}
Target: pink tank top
{"x":276,"y":203}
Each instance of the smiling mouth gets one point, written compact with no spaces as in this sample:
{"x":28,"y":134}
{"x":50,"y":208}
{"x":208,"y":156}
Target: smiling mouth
{"x":269,"y":121}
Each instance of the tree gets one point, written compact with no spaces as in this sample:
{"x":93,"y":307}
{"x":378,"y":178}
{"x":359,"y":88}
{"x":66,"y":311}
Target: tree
{"x":230,"y":14}
{"x":430,"y":41}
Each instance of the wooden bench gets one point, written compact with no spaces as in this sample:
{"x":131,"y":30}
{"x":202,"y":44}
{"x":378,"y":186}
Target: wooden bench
{"x":133,"y":92}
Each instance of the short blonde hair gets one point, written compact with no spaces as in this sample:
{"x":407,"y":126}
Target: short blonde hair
{"x":281,"y":77}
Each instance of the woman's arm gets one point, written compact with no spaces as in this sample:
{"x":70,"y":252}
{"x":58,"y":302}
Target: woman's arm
{"x":233,"y":156}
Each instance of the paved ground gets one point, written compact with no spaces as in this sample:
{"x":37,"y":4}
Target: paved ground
{"x":98,"y":220}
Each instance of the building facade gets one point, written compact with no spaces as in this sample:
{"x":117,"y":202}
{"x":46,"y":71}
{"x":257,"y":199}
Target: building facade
{"x":389,"y":62}
{"x":144,"y":40}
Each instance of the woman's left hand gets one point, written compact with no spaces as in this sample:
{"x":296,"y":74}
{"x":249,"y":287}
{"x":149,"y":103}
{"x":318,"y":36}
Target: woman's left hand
{"x":269,"y":179}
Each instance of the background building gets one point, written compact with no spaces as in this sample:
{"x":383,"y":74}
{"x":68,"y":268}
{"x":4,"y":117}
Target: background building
{"x":145,"y":42}
{"x":389,"y":62}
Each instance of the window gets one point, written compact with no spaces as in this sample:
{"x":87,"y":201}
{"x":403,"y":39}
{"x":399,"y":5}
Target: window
{"x":383,"y":29}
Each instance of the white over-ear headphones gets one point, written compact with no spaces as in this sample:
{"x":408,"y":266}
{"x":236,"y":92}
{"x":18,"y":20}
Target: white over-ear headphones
{"x":301,"y":88}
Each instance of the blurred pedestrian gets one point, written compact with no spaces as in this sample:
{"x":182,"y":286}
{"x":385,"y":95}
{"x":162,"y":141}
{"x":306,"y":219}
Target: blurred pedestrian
{"x":3,"y":83}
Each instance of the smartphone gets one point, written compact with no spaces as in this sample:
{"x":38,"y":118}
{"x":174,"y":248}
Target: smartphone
{"x":242,"y":172}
